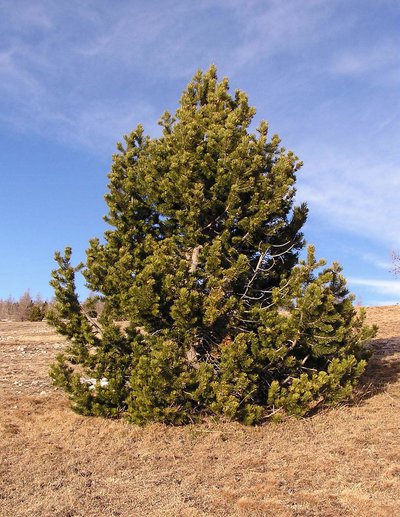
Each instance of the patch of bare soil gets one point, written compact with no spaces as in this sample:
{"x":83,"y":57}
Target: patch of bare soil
{"x":26,"y":350}
{"x":341,"y":462}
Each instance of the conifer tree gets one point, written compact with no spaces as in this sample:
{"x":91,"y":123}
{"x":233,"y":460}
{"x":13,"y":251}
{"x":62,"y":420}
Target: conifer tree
{"x":202,"y":261}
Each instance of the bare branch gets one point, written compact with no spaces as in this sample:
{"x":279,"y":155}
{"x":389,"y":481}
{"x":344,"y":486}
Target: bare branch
{"x":92,"y":321}
{"x":283,"y":252}
{"x":193,"y":256}
{"x":262,"y":256}
{"x":396,"y":263}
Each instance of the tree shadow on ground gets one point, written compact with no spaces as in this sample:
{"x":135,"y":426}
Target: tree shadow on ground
{"x":383,"y":368}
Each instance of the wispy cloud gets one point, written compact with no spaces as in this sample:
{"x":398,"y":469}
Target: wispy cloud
{"x":386,"y":287}
{"x":50,"y":85}
{"x":57,"y":58}
{"x":83,"y":67}
{"x":376,"y":261}
{"x":275,"y":27}
{"x":358,"y":194}
{"x":357,"y":62}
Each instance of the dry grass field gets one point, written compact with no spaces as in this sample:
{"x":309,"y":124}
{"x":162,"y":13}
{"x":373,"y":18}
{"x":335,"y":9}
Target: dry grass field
{"x":344,"y":461}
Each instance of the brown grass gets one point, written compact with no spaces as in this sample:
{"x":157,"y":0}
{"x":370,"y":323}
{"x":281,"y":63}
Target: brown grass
{"x":344,"y":461}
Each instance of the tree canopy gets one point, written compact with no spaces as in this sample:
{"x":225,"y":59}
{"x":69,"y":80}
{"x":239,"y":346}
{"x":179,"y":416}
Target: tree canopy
{"x":201,"y":262}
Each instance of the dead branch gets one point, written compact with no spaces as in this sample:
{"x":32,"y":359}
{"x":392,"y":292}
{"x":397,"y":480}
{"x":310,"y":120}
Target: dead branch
{"x":193,"y":256}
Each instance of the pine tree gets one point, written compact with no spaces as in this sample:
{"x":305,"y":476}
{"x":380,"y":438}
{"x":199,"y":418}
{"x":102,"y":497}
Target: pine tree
{"x":202,"y":261}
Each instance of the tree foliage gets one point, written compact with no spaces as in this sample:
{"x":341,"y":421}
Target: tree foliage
{"x":202,"y":262}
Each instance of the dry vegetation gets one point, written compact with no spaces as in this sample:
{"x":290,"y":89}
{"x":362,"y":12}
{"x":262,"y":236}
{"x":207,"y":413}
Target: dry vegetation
{"x":55,"y":463}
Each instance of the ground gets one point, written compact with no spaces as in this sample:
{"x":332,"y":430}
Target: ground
{"x":340,"y":462}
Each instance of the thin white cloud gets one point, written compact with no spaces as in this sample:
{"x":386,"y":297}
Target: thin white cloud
{"x":95,"y":126}
{"x":55,"y":56}
{"x":99,"y":125}
{"x":58,"y":56}
{"x":376,"y":261}
{"x":357,"y":194}
{"x":386,"y":287}
{"x":26,"y":15}
{"x":356,"y":62}
{"x":382,"y":303}
{"x":274,"y":27}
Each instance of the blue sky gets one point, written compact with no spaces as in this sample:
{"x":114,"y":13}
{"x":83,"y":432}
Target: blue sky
{"x":75,"y":76}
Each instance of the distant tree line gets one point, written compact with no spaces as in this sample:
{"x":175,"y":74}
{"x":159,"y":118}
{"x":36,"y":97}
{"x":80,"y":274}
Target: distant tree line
{"x":25,"y":308}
